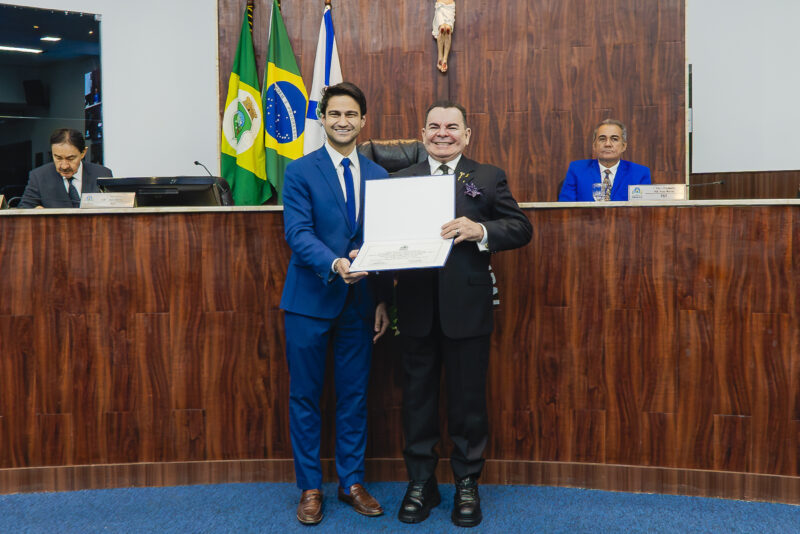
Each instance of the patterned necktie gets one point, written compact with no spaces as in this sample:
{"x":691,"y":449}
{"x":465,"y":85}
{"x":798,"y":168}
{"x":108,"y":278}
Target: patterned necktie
{"x":444,"y":168}
{"x":350,"y":191}
{"x":73,"y":194}
{"x":607,"y":185}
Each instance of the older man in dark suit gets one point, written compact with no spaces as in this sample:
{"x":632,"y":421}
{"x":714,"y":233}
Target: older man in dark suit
{"x":445,"y":318}
{"x":61,"y":183}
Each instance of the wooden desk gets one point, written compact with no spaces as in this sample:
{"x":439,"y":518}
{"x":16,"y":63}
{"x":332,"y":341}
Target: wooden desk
{"x":637,"y":348}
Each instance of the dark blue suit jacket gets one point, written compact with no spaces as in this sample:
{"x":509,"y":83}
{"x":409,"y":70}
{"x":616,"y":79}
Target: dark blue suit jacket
{"x":583,"y":173}
{"x":46,"y":187}
{"x":317,"y":230}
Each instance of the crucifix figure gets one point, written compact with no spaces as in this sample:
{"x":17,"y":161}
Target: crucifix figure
{"x":444,"y":18}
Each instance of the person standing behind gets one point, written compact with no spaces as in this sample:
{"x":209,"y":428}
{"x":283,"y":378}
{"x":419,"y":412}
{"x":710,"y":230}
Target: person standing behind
{"x":609,"y":141}
{"x":323,"y":301}
{"x":445,"y":320}
{"x":60,"y":184}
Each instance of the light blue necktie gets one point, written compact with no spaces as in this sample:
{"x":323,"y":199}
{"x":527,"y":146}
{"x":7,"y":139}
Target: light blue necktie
{"x":351,"y":193}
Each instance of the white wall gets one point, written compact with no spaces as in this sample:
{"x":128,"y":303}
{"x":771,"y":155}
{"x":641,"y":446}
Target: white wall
{"x":745,"y":84}
{"x":159,"y":75}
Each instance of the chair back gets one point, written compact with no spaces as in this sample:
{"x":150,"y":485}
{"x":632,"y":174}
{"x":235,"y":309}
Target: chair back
{"x":394,"y":154}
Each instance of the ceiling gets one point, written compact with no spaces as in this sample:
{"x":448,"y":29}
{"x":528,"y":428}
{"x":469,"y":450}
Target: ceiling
{"x":17,"y":29}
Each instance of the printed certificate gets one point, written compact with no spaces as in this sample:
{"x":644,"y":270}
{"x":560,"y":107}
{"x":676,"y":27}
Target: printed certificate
{"x":403,"y":218}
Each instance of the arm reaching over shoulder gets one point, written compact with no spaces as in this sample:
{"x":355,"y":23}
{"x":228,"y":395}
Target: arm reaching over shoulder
{"x":381,"y":321}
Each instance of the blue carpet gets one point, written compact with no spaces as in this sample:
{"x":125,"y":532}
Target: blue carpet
{"x":245,"y":508}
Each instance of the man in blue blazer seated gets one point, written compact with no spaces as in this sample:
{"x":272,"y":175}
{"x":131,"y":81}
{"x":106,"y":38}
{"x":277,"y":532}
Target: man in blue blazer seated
{"x":609,"y":141}
{"x":324,"y":302}
{"x":60,"y":184}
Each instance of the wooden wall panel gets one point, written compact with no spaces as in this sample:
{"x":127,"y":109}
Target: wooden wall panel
{"x":534,"y":75}
{"x":19,"y":260}
{"x":774,"y":448}
{"x":664,"y":337}
{"x":770,"y":184}
{"x":695,"y":391}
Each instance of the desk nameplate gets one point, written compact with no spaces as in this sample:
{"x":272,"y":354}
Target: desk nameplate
{"x":108,"y":200}
{"x":657,"y":192}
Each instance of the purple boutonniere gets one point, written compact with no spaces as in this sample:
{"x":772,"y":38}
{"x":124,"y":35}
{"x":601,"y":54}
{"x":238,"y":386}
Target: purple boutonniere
{"x":471,"y":189}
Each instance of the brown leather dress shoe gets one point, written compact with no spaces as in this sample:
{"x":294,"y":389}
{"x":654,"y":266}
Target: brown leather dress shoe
{"x":361,"y":501}
{"x":309,"y":511}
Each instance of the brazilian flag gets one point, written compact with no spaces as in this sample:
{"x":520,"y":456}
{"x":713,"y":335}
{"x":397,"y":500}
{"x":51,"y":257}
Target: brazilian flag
{"x":285,"y":101}
{"x":243,"y":155}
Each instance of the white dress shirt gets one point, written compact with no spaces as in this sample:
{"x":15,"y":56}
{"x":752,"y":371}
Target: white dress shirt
{"x":77,"y":180}
{"x":337,"y":158}
{"x":611,"y":176}
{"x":355,"y":168}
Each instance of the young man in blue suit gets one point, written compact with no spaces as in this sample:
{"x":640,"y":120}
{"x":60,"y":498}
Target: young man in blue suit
{"x":609,"y":141}
{"x":324,"y":302}
{"x":61,"y":183}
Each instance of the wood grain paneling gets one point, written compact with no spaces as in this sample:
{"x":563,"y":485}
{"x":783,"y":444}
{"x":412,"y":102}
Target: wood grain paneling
{"x":695,"y":392}
{"x":768,"y":184}
{"x":664,"y":337}
{"x":534,"y":75}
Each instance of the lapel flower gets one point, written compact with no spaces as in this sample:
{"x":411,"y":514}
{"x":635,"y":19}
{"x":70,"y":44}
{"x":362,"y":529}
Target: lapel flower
{"x":472,"y":190}
{"x":462,"y":177}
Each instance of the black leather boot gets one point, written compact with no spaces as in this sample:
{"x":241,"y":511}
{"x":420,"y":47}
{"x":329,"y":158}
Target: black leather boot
{"x":420,"y":497}
{"x":467,"y":503}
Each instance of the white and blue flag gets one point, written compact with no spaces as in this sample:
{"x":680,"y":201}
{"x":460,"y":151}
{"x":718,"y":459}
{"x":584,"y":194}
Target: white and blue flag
{"x":327,"y":71}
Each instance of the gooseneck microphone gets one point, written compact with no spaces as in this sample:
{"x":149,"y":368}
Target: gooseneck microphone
{"x":718,"y":182}
{"x":206,"y":168}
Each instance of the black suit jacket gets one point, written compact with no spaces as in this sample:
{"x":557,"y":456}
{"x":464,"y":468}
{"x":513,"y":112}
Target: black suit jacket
{"x":46,"y":187}
{"x":464,"y":283}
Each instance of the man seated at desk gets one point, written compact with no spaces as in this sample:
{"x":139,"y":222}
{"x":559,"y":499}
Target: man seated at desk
{"x":60,"y":184}
{"x":614,"y":175}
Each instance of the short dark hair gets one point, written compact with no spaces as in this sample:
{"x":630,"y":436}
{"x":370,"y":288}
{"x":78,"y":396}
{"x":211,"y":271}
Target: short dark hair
{"x":611,"y":122}
{"x":343,"y":89}
{"x":70,"y":136}
{"x":447,"y":104}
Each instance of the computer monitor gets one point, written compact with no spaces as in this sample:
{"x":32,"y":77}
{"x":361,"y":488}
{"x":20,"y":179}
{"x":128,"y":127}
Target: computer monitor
{"x":171,"y":191}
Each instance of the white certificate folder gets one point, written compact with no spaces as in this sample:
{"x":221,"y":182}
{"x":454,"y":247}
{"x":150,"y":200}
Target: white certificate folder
{"x":403,"y":218}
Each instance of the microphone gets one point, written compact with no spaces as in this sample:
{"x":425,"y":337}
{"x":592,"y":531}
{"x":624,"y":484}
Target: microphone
{"x":206,"y":168}
{"x":226,"y":196}
{"x":718,"y":182}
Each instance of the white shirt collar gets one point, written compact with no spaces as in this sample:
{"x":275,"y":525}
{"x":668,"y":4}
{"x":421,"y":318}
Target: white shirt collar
{"x":77,"y":179}
{"x":613,"y":169}
{"x":452,"y":164}
{"x":337,"y":157}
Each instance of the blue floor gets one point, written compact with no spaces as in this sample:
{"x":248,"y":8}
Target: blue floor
{"x":244,"y":508}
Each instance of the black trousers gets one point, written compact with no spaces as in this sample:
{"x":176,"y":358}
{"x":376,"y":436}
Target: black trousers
{"x":465,"y":363}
